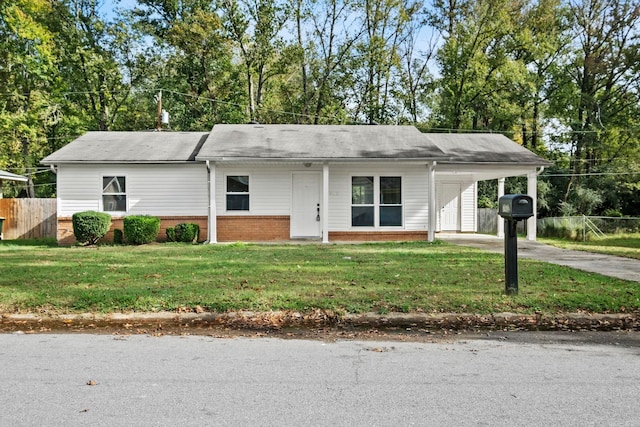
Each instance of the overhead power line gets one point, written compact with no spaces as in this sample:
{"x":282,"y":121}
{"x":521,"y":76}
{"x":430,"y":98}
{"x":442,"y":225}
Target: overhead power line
{"x":544,"y":175}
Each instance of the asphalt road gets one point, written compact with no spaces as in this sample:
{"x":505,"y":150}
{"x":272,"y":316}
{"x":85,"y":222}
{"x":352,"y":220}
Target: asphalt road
{"x":514,"y":379}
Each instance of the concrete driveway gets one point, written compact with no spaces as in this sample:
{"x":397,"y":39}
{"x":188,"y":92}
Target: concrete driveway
{"x":608,"y":265}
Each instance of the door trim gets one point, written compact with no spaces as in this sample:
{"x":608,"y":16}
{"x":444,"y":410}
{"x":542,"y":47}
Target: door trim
{"x":311,"y":211}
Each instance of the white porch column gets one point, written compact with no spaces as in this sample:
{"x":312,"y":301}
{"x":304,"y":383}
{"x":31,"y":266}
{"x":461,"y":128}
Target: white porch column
{"x":212,"y":220}
{"x":431,"y":226}
{"x":500,"y":219}
{"x":325,"y":203}
{"x":532,"y":190}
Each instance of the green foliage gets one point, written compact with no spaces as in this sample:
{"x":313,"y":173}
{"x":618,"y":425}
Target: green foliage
{"x":183,"y":232}
{"x":187,"y":232}
{"x":558,"y":77}
{"x":171,"y":234}
{"x":118,"y":236}
{"x":90,"y":226}
{"x":141,"y":229}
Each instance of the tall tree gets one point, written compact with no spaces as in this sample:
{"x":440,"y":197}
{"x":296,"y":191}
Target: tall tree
{"x":541,"y":46}
{"x":375,"y":67}
{"x":254,"y":26}
{"x":192,"y":59}
{"x":27,"y":77}
{"x":93,"y":55}
{"x":477,"y":71}
{"x":416,"y":52}
{"x":326,"y":36}
{"x":600,"y":102}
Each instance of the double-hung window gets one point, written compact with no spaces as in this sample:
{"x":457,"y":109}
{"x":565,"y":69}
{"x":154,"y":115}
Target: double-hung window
{"x":390,"y":201}
{"x":237,"y":192}
{"x":376,"y":201}
{"x":362,"y":201}
{"x":114,"y":194}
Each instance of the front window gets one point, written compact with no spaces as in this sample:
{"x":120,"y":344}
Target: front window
{"x":362,"y":208}
{"x":114,"y":194}
{"x":384,"y":210}
{"x":390,"y":201}
{"x":237,"y":192}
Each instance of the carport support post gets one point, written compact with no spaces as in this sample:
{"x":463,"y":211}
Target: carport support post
{"x":500,"y":194}
{"x":510,"y":257}
{"x":211,"y":217}
{"x":532,"y":190}
{"x":431,"y":226}
{"x":325,"y":203}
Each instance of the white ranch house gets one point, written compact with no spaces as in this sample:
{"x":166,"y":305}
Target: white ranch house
{"x":281,"y":182}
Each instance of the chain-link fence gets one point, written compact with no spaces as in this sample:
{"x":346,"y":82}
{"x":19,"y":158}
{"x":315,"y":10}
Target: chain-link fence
{"x":585,"y":227}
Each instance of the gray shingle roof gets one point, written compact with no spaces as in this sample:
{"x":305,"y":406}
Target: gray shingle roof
{"x":294,"y":143}
{"x":316,"y":142}
{"x":483,"y":148}
{"x":130,"y":147}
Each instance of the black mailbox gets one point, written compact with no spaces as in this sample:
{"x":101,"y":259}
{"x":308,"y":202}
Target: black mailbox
{"x":515,"y":206}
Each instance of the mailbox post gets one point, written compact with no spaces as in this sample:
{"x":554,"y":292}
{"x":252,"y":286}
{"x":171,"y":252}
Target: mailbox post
{"x":513,"y":208}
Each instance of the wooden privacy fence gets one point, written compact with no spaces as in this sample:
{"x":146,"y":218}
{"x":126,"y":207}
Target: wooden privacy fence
{"x":28,"y":218}
{"x":488,"y":222}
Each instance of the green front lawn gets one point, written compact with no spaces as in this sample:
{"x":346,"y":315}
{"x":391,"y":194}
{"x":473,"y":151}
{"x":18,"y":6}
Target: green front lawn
{"x":627,"y":245}
{"x":384,"y":277}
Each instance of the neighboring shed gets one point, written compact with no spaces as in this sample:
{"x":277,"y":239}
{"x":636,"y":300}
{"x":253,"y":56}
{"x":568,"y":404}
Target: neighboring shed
{"x":281,"y":182}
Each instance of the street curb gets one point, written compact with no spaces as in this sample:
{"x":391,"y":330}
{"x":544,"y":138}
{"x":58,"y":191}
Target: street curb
{"x":319,"y":318}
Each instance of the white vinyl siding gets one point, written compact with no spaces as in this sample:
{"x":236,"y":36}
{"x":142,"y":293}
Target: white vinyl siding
{"x":415,"y":195}
{"x":269,"y":188}
{"x":468,"y":207}
{"x":162,"y":190}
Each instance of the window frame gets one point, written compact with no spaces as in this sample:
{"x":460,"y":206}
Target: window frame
{"x":378,"y":201}
{"x":389,"y":205}
{"x":237,"y":193}
{"x":122,"y":193}
{"x":362,"y":206}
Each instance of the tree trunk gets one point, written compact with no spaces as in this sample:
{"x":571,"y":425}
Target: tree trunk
{"x":27,"y":162}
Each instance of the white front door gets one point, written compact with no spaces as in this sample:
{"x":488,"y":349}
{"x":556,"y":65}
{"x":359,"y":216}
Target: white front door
{"x":305,"y":204}
{"x":448,"y":198}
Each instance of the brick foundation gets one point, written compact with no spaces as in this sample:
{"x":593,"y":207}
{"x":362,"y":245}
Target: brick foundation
{"x":377,"y":236}
{"x":253,"y":228}
{"x":247,"y":229}
{"x":66,"y":237}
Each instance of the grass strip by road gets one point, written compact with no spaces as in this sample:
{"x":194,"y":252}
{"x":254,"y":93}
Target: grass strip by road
{"x":625,"y":245}
{"x":381,"y":278}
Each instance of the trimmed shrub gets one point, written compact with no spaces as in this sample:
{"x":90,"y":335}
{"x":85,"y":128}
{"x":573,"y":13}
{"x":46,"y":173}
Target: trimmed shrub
{"x":141,"y":229}
{"x":90,"y":226}
{"x":186,"y":232}
{"x":171,"y":234}
{"x":117,"y":236}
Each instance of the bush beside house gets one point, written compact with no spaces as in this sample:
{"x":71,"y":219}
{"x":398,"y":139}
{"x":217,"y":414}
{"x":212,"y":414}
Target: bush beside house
{"x":183,"y":232}
{"x":141,"y":229}
{"x":90,"y":226}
